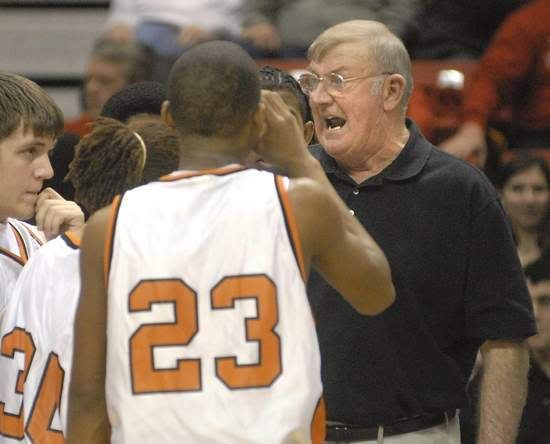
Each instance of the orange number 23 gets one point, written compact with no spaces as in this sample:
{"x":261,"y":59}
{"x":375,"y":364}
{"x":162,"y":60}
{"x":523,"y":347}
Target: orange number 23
{"x":187,"y":375}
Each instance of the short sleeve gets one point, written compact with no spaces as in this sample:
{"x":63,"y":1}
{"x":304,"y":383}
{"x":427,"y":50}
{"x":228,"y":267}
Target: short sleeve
{"x":497,"y":302}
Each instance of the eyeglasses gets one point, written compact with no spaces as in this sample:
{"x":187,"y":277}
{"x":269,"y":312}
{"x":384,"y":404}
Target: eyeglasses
{"x":334,"y":83}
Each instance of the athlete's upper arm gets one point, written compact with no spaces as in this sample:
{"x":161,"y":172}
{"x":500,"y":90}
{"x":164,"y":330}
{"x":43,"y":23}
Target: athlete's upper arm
{"x":338,"y":246}
{"x":87,"y":389}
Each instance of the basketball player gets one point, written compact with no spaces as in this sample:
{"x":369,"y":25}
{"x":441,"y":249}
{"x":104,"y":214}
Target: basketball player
{"x":39,"y":317}
{"x":210,"y":334}
{"x":29,"y":124}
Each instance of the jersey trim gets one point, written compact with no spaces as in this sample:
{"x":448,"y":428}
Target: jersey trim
{"x":110,"y":236}
{"x":12,"y":256}
{"x":34,"y":236}
{"x":71,"y":239}
{"x":23,"y":253}
{"x":229,"y":169}
{"x":291,"y":225}
{"x":318,"y":423}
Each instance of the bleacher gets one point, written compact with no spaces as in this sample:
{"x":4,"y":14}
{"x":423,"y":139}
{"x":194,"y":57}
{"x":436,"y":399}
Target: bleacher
{"x":49,"y":41}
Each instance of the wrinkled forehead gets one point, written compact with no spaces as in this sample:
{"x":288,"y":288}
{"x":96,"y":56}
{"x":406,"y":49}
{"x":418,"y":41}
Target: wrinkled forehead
{"x":340,"y":57}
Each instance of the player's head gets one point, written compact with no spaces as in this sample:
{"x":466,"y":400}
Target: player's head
{"x":111,"y":66}
{"x":116,"y":157}
{"x":30,"y":122}
{"x":289,"y":89}
{"x":538,"y":281}
{"x":213,"y":92}
{"x":137,"y":98}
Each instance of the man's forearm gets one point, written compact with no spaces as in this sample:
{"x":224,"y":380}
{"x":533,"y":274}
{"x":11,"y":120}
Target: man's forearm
{"x":503,"y":391}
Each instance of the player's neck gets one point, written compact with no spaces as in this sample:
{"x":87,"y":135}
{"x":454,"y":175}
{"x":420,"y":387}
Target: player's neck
{"x":199,"y":153}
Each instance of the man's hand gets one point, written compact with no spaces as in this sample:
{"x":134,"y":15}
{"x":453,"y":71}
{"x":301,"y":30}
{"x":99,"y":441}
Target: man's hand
{"x":263,"y":36}
{"x":55,"y":215}
{"x":282,"y":143}
{"x":468,"y":143}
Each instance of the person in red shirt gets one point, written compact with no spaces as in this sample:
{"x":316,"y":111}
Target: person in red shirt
{"x":514,"y":71}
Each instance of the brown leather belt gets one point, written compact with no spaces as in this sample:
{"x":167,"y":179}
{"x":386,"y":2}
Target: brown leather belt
{"x":343,"y":432}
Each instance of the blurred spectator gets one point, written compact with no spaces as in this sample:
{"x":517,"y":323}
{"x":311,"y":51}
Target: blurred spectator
{"x":514,"y":71}
{"x":111,"y":66}
{"x":168,"y":27}
{"x":286,"y":28}
{"x":524,"y":184}
{"x":535,"y":423}
{"x":459,"y":29}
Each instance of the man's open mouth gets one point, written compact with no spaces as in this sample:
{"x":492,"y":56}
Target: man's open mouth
{"x":335,"y":123}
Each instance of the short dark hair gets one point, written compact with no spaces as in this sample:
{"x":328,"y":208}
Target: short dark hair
{"x":213,"y":89}
{"x":518,"y":165}
{"x":23,"y":102}
{"x":275,"y":79}
{"x":138,"y":59}
{"x":111,"y":160}
{"x":138,"y":98}
{"x":540,"y":269}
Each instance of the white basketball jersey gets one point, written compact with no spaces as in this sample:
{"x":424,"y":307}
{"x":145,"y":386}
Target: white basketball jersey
{"x":210,"y":334}
{"x":37,"y":345}
{"x":18,"y":240}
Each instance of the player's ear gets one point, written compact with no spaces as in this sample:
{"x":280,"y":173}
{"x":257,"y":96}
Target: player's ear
{"x":166,"y":115}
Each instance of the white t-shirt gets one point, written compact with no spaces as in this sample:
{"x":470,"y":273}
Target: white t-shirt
{"x":211,"y":15}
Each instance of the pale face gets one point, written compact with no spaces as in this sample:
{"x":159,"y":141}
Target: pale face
{"x":24,"y":165}
{"x":103,"y":79}
{"x":348,"y":125}
{"x":526,"y":197}
{"x":540,"y":295}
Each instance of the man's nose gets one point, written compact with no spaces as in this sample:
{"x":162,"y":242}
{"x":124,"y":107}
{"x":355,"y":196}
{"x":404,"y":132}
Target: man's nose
{"x":44,"y":169}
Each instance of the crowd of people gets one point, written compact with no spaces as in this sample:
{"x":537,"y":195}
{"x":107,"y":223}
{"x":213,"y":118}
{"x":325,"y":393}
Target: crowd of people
{"x":219,"y":252}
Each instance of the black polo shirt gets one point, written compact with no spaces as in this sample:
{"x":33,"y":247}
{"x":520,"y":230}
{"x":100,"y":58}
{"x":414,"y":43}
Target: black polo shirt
{"x":458,"y":282}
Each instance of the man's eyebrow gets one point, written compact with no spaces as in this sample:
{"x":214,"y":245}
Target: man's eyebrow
{"x":31,"y":143}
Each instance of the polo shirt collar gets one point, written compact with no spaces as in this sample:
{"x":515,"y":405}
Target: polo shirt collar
{"x":407,"y":164}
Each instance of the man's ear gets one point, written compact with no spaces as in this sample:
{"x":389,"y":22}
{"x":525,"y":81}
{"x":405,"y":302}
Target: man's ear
{"x":309,"y":129}
{"x":393,"y":90}
{"x":165,"y":114}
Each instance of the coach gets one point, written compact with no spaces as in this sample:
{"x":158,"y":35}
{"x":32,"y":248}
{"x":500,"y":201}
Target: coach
{"x":400,"y":377}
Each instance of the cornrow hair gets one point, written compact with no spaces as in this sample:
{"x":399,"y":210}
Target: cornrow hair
{"x":274,"y":79}
{"x":107,"y":162}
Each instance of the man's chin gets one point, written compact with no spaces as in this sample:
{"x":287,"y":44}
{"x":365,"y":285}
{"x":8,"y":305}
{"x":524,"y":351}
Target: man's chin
{"x":24,"y":212}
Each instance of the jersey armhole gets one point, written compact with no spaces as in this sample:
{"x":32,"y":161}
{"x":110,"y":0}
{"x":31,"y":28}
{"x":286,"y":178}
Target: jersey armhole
{"x":281,"y":184}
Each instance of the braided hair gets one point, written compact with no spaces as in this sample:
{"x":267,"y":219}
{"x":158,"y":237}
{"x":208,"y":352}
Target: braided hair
{"x":107,"y":162}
